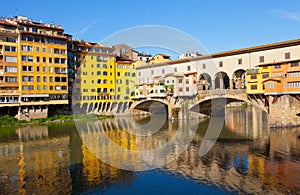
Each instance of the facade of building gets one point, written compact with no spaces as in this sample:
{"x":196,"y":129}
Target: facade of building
{"x":270,"y":69}
{"x":34,"y":66}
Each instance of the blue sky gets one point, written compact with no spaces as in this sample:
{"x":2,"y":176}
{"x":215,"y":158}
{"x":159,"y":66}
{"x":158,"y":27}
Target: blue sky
{"x":218,"y":25}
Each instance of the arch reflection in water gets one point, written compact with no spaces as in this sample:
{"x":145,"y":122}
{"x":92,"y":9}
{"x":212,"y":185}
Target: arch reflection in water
{"x":114,"y":142}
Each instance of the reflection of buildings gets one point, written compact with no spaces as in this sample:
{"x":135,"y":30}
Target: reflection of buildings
{"x":55,"y":160}
{"x":250,"y":121}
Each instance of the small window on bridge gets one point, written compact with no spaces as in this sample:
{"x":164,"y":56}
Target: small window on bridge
{"x":253,"y":87}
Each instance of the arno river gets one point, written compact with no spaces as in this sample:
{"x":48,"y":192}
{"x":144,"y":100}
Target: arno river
{"x":248,"y":157}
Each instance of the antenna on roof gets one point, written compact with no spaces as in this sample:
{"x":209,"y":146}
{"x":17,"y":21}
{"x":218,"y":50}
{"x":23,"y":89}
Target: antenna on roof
{"x":17,"y":10}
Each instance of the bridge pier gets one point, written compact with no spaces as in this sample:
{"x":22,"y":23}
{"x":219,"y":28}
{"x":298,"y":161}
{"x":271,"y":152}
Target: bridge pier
{"x":284,"y":111}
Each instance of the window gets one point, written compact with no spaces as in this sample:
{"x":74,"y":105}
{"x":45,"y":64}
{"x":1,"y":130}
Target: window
{"x":29,"y":58}
{"x":180,"y":89}
{"x":253,"y":76}
{"x":44,"y":49}
{"x":152,"y":72}
{"x":45,"y":88}
{"x":37,"y":49}
{"x":286,"y":85}
{"x":187,"y":81}
{"x":240,"y":61}
{"x":287,"y":55}
{"x":37,"y":59}
{"x":261,"y":59}
{"x":44,"y":79}
{"x":11,"y":69}
{"x":29,"y":48}
{"x":187,"y":89}
{"x":23,"y":48}
{"x":38,"y":87}
{"x":56,"y":60}
{"x":175,"y":69}
{"x":179,"y":80}
{"x":203,"y":66}
{"x":50,"y":69}
{"x":44,"y":69}
{"x":50,"y":79}
{"x":10,"y":48}
{"x":11,"y":79}
{"x":188,"y":68}
{"x":38,"y":79}
{"x":294,"y":64}
{"x":50,"y":50}
{"x":277,"y":66}
{"x":38,"y":69}
{"x":44,"y":59}
{"x":98,"y":72}
{"x":56,"y":51}
{"x":253,"y":87}
{"x":265,"y":76}
{"x":163,"y":71}
{"x":12,"y":58}
{"x":270,"y":85}
{"x":220,"y":64}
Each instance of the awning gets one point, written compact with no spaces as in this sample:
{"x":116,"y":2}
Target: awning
{"x":35,"y":95}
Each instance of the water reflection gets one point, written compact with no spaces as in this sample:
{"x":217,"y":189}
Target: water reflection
{"x":248,"y":157}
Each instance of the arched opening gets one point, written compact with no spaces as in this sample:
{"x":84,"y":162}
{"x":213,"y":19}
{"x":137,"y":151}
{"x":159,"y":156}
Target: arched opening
{"x":153,"y":107}
{"x":108,"y":107}
{"x":90,"y":107}
{"x":222,"y":81}
{"x":239,"y":79}
{"x":84,"y":108}
{"x":100,"y":107}
{"x":204,"y":82}
{"x":96,"y":106}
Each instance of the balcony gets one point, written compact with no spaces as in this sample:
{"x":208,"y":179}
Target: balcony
{"x":9,"y":84}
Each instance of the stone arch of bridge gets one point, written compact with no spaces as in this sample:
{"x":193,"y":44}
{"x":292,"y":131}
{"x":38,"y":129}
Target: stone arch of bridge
{"x":144,"y":105}
{"x":205,"y":106}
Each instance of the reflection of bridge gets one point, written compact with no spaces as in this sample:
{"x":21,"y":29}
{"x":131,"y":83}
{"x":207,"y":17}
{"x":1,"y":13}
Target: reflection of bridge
{"x":283,"y":111}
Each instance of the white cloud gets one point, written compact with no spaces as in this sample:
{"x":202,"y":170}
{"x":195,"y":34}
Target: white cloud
{"x":295,"y":16}
{"x":85,"y":29}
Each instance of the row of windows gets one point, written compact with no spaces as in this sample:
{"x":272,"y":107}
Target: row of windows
{"x":38,"y":79}
{"x":31,"y":88}
{"x":43,"y":40}
{"x":271,"y":85}
{"x":98,"y":50}
{"x":36,"y":30}
{"x":44,"y":60}
{"x":294,"y":74}
{"x":98,"y":66}
{"x":103,"y":97}
{"x":29,"y":48}
{"x":8,"y":48}
{"x":38,"y":69}
{"x":123,"y":66}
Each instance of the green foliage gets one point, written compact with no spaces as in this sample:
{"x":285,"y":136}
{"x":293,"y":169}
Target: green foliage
{"x":11,"y":121}
{"x":246,"y":105}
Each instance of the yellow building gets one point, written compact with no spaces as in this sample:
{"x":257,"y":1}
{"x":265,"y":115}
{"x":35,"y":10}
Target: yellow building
{"x":125,"y":80}
{"x":33,"y":67}
{"x":95,"y":77}
{"x":255,"y":78}
{"x":9,"y":73}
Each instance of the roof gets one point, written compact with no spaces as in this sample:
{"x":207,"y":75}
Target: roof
{"x":227,"y":53}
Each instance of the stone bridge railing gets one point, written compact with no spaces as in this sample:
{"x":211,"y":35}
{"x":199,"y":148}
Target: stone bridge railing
{"x":222,"y":92}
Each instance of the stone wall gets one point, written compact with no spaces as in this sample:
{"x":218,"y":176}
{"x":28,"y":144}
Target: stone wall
{"x":283,"y":111}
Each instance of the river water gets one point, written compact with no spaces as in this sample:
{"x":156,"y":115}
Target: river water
{"x":248,"y":158}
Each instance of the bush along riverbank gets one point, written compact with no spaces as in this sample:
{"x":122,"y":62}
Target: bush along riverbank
{"x":11,"y":121}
